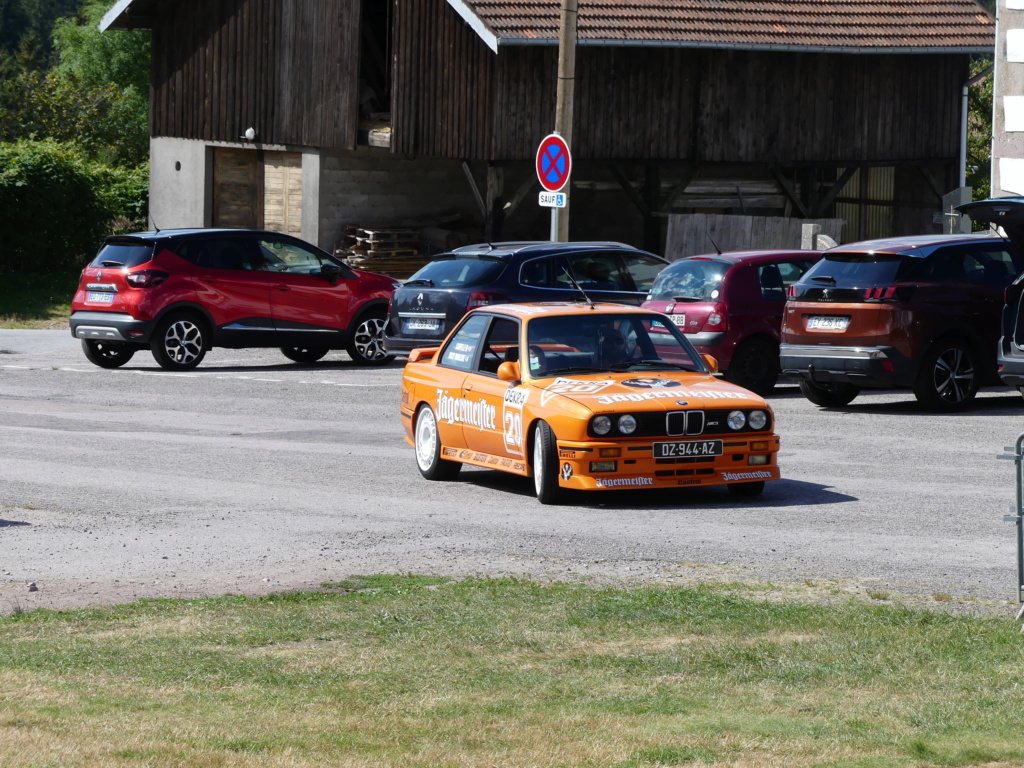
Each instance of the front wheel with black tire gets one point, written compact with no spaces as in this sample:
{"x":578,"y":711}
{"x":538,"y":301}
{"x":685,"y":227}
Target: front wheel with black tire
{"x":428,"y":448}
{"x":180,"y":342}
{"x":755,"y":366}
{"x":105,"y":354}
{"x":746,"y":490}
{"x":949,"y":377}
{"x":304,"y":354}
{"x":366,"y":346}
{"x":545,"y":465}
{"x":829,"y":395}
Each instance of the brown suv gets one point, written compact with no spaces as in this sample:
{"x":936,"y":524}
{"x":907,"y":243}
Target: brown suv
{"x":917,"y":312}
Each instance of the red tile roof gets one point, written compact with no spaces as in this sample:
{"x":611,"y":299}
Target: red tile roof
{"x":870,"y":26}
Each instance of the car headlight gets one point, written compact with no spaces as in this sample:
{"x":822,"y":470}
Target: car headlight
{"x":736,"y":420}
{"x":627,"y":424}
{"x":757,"y":419}
{"x":602,"y":425}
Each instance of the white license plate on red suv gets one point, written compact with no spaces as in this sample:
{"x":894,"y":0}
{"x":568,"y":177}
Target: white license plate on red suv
{"x":99,"y":297}
{"x":828,"y":323}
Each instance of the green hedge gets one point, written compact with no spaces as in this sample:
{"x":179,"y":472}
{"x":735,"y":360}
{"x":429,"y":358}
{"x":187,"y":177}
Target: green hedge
{"x":56,"y":206}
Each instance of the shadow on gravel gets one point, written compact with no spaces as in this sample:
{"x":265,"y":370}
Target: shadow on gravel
{"x":779,"y":493}
{"x":12,"y":523}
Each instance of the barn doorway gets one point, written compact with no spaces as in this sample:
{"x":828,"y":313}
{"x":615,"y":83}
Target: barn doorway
{"x":253,"y":189}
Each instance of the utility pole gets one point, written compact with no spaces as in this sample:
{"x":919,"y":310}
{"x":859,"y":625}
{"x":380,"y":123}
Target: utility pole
{"x":564,"y":104}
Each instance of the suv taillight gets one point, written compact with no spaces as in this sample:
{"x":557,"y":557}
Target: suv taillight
{"x":889,"y":293}
{"x":483,"y":298}
{"x":718,"y":319}
{"x":147,"y":278}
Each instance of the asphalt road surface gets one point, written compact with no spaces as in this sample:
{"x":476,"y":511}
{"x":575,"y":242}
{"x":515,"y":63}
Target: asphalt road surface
{"x":252,"y":474}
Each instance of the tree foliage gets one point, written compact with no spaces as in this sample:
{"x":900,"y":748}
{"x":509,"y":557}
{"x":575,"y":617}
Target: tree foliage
{"x":53,"y":212}
{"x":979,"y":131}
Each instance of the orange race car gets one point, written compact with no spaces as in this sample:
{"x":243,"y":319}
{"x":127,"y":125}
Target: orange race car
{"x":583,"y":396}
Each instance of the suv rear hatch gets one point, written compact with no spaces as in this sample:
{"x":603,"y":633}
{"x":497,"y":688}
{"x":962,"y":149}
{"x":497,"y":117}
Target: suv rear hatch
{"x":848,"y":298}
{"x":107,"y":274}
{"x":434,"y":299}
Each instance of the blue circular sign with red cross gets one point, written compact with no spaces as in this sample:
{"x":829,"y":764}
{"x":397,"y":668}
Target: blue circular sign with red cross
{"x":553,"y":162}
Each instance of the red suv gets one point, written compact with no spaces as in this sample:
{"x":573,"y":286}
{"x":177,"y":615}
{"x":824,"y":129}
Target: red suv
{"x":729,"y":305}
{"x":181,"y":292}
{"x":915,"y":312}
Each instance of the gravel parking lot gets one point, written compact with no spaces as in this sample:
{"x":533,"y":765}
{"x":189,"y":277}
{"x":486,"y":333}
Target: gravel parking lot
{"x":252,"y":474}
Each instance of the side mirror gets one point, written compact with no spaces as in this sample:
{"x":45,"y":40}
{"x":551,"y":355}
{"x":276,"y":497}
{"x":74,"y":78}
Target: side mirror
{"x":509,"y":372}
{"x":422,"y":353}
{"x":331,"y":272}
{"x":710,"y":362}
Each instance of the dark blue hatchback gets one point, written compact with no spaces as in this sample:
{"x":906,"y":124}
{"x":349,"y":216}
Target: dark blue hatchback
{"x":434,"y":299}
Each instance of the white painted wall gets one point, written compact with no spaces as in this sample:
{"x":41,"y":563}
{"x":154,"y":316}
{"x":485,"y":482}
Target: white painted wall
{"x":177,"y":183}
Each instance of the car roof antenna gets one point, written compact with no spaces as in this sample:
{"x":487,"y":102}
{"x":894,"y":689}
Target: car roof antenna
{"x":567,"y":268}
{"x":708,"y":233}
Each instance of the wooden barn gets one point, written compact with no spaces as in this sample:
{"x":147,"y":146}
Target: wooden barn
{"x":348,"y":120}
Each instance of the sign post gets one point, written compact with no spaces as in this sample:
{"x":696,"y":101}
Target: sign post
{"x":564,"y":105}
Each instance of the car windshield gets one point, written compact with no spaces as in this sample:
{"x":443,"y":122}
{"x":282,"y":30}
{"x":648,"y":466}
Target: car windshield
{"x":689,"y":279}
{"x":578,"y":344}
{"x":458,"y":273}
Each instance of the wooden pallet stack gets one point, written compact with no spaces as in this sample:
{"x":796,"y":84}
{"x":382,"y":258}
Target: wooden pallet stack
{"x":394,"y":252}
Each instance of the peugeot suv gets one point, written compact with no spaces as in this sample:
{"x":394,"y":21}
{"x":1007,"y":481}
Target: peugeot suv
{"x":907,"y":312}
{"x":181,"y":292}
{"x":433,"y":300}
{"x":1007,"y":213}
{"x":730,"y":305}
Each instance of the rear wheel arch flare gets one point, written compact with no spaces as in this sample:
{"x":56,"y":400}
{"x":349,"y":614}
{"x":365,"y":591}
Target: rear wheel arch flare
{"x":188,"y":309}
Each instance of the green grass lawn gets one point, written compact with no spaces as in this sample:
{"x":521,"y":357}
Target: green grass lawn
{"x":414,"y":671}
{"x":36,"y":301}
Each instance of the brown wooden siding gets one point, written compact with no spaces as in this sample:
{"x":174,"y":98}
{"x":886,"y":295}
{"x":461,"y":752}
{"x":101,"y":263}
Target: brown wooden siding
{"x":287,"y":69}
{"x":442,"y":83}
{"x":454,"y":97}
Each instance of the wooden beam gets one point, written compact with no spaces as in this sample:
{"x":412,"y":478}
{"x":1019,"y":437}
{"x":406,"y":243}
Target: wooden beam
{"x":476,"y":189}
{"x":787,"y":187}
{"x":833,"y":193}
{"x":627,"y":185}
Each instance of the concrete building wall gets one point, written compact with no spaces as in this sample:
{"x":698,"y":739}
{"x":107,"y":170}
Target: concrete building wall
{"x":178,"y":189}
{"x":1008,"y":100}
{"x":370,"y":187}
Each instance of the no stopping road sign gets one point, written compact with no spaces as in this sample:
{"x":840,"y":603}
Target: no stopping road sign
{"x":553,"y":162}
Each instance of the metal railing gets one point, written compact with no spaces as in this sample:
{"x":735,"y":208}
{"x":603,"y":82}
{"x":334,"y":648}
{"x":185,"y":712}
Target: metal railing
{"x":1017,"y":515}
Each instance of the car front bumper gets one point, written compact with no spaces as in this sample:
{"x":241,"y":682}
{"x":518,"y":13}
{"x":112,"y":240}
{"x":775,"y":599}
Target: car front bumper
{"x":872,"y":367}
{"x":114,"y":327}
{"x":637,"y":468}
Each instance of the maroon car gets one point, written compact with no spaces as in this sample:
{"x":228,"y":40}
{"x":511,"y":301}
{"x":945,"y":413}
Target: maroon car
{"x":730,"y":307}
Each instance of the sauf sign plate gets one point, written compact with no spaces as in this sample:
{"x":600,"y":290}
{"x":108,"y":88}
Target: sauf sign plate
{"x":552,"y":199}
